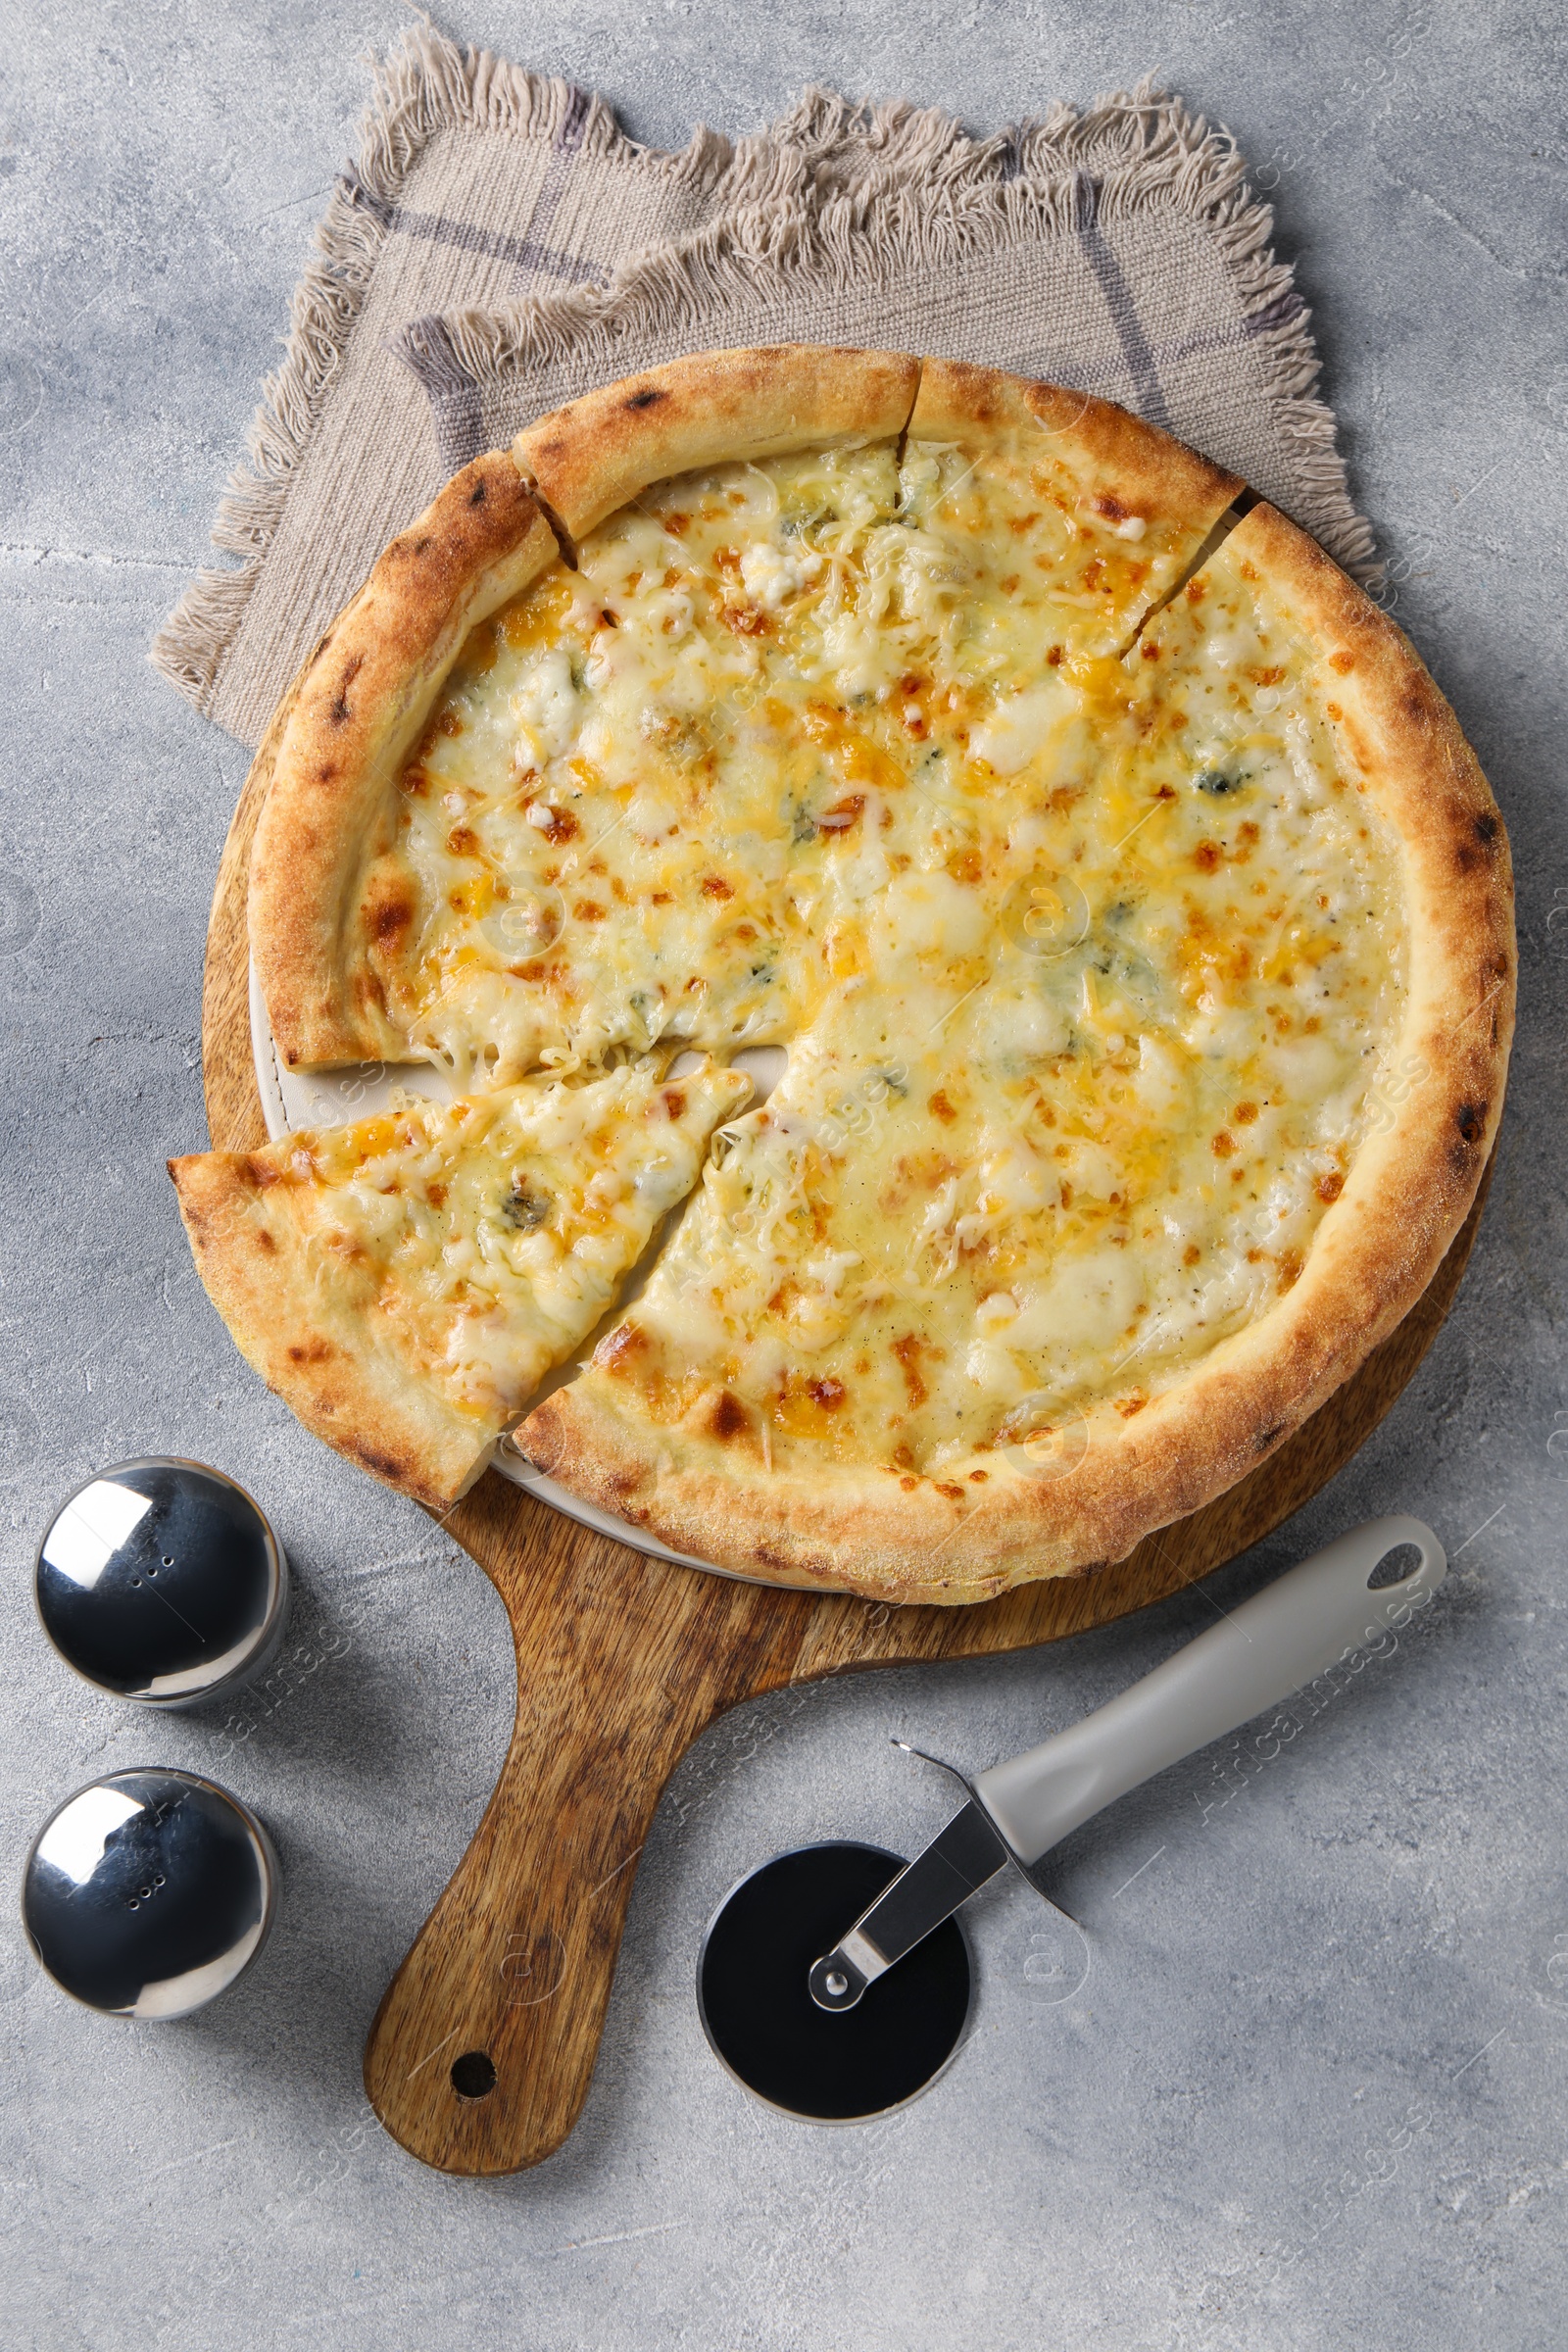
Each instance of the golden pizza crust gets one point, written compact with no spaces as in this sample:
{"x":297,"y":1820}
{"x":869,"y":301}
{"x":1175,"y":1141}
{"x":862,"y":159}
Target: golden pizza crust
{"x":328,"y":910}
{"x":308,"y":1340}
{"x":1095,"y":1487}
{"x":1127,"y":468}
{"x":585,"y":460}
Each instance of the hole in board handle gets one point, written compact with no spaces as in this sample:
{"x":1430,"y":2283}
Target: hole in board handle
{"x":473,"y":2075}
{"x":1394,"y":1567}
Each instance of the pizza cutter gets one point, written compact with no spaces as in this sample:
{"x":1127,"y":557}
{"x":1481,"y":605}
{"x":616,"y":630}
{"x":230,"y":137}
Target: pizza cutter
{"x":836,"y":1981}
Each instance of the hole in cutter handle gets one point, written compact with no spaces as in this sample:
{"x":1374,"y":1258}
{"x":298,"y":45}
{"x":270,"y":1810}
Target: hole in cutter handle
{"x":1396,"y":1567}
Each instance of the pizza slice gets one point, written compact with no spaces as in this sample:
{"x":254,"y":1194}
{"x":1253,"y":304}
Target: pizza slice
{"x":406,"y":1282}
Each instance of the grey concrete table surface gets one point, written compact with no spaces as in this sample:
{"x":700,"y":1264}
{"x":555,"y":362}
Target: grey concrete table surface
{"x":1302,"y":2084}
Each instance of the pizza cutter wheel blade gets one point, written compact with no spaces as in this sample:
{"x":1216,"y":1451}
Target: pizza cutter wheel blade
{"x":758,"y":2014}
{"x":836,"y":1981}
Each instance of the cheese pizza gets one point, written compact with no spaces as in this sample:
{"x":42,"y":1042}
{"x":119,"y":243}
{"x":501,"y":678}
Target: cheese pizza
{"x":1133,"y":917}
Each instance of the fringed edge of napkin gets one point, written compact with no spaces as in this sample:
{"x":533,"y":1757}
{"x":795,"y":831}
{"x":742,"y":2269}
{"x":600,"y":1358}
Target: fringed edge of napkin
{"x":877,"y":171}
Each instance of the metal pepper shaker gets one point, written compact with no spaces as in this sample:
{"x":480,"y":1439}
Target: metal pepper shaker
{"x":162,"y":1581}
{"x":148,"y":1893}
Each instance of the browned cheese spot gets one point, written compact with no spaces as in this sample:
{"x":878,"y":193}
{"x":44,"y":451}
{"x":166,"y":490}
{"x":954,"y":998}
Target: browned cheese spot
{"x":387,"y":917}
{"x":728,"y":1417}
{"x":617,"y":1349}
{"x":908,"y":1352}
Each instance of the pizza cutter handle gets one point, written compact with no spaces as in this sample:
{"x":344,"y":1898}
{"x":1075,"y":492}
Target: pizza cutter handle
{"x":1322,"y":1612}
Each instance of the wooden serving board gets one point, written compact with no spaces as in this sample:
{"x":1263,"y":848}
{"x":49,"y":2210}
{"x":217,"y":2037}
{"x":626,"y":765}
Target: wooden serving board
{"x":622,"y":1660}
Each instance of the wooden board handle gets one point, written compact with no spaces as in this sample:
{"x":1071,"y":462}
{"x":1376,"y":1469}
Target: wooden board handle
{"x":482,"y":2049}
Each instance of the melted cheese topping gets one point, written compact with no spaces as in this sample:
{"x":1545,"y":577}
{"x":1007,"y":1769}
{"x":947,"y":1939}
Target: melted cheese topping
{"x":653,"y":785}
{"x":1086,"y":951}
{"x":480,"y":1241}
